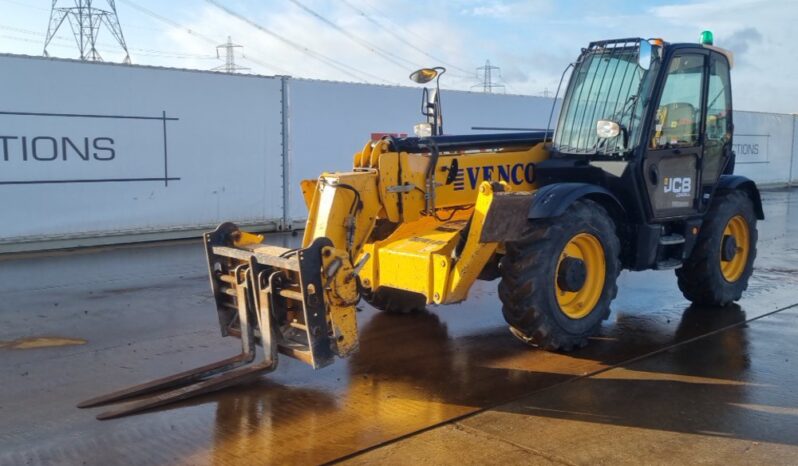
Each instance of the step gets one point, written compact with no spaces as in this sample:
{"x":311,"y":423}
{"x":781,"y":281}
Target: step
{"x":671,"y":239}
{"x":668,"y":264}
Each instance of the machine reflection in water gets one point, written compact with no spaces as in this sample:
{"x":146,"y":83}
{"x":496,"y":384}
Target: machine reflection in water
{"x":394,"y":386}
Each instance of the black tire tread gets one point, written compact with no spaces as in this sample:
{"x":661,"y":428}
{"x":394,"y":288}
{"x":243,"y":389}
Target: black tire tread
{"x":699,"y":278}
{"x":524,"y":281}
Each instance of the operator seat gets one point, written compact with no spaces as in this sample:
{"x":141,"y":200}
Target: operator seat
{"x":678,"y":124}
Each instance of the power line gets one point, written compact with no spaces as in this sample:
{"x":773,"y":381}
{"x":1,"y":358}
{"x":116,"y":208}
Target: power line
{"x":390,"y":31}
{"x":197,"y":34}
{"x":108,"y":47}
{"x":391,"y":57}
{"x":331,"y":62}
{"x":400,"y":26}
{"x":159,"y":54}
{"x":24,"y":39}
{"x":168,"y":21}
{"x":15,"y":2}
{"x":32,"y":33}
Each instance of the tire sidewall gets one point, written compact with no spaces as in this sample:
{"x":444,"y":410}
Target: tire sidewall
{"x":713,"y":235}
{"x":600,"y":311}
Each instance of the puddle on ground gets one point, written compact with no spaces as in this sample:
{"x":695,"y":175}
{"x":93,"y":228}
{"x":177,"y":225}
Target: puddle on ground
{"x":40,"y":342}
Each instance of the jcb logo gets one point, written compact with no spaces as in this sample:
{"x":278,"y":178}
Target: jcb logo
{"x":675,"y":185}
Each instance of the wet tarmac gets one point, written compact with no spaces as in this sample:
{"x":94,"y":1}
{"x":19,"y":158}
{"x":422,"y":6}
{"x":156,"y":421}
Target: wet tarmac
{"x":145,"y":311}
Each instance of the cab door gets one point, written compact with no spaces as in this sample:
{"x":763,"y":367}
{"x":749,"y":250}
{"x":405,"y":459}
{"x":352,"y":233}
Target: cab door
{"x":674,"y":150}
{"x":718,"y":127}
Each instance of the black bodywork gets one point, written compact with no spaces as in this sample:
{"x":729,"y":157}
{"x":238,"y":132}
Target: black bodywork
{"x":651,"y":237}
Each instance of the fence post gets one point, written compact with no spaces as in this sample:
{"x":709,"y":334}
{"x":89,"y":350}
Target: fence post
{"x":285,"y":129}
{"x":792,"y":150}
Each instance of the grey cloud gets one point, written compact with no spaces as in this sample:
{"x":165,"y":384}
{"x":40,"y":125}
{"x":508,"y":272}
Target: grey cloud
{"x":740,"y":41}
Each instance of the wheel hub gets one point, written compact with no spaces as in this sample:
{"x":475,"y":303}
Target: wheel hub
{"x":572,"y":274}
{"x":728,"y":248}
{"x":734,"y":248}
{"x":579,"y":276}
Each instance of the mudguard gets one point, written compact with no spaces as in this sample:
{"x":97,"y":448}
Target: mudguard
{"x":733,"y":182}
{"x":504,"y":221}
{"x":554,"y":199}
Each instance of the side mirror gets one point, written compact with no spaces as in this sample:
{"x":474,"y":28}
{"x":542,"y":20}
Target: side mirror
{"x":430,"y":101}
{"x":607,"y":129}
{"x":644,"y":54}
{"x":424,"y":75}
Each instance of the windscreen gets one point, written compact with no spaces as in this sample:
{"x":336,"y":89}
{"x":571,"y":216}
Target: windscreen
{"x":606,"y":84}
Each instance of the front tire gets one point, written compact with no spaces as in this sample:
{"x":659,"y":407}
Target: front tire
{"x":558,"y":281}
{"x":722,"y":261}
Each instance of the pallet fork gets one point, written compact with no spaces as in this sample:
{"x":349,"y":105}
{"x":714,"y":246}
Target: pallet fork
{"x":255,"y":290}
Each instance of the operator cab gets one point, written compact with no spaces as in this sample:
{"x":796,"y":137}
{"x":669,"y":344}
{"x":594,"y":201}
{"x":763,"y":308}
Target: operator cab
{"x":648,"y":120}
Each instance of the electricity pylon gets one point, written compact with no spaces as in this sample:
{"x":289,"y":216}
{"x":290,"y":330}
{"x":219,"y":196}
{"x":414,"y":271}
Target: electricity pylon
{"x":85,"y":20}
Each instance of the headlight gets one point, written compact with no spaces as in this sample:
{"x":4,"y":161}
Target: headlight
{"x":423,"y":130}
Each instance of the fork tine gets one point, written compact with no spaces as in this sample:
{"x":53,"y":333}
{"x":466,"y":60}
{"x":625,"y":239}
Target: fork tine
{"x":224,"y":380}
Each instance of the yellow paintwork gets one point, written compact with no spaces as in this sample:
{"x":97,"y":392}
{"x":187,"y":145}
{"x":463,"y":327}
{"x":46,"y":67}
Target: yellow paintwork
{"x":738,"y":228}
{"x":410,"y":259}
{"x":243,"y":238}
{"x":388,"y":167}
{"x":341,"y":296}
{"x":393,"y":186}
{"x":336,"y":208}
{"x":308,"y":187}
{"x":507,"y":166}
{"x":358,"y":159}
{"x":433,"y":245}
{"x":343,"y":208}
{"x":578,"y":304}
{"x":475,"y":254}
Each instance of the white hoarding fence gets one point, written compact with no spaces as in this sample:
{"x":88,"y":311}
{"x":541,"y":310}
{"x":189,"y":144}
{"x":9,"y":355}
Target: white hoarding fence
{"x":96,"y":153}
{"x":763,"y":144}
{"x":751,"y":148}
{"x":83,"y":148}
{"x":93,"y":153}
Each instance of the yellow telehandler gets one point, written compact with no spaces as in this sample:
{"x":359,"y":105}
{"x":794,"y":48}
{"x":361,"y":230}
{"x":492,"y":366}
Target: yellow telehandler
{"x":638,"y":175}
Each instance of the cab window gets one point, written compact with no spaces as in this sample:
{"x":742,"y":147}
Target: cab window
{"x":719,"y":124}
{"x":678,"y":118}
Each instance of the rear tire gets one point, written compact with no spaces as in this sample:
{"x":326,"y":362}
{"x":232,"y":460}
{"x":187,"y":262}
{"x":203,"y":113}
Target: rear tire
{"x":395,"y":301}
{"x":705,"y":278}
{"x":534,"y":289}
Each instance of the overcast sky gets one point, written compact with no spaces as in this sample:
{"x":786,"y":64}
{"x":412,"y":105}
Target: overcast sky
{"x":381,"y":41}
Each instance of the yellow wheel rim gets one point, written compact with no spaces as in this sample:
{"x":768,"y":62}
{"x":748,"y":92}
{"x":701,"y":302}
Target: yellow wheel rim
{"x":737,"y":228}
{"x":579,"y":303}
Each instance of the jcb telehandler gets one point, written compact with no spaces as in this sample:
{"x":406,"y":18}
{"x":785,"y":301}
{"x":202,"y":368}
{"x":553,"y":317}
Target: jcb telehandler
{"x":638,"y":175}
